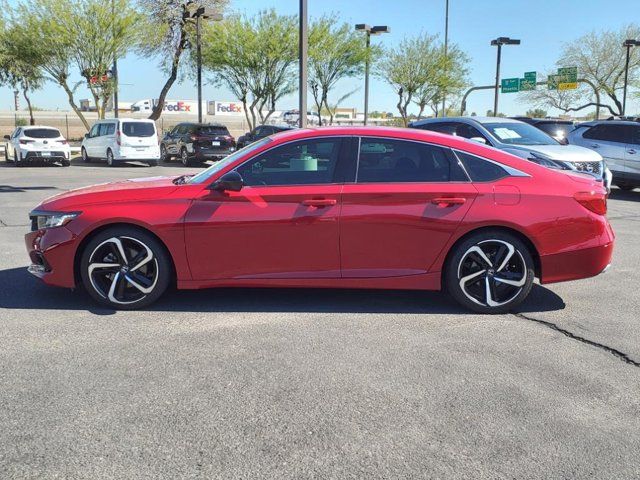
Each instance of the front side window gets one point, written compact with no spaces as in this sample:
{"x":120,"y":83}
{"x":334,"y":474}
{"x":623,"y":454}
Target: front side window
{"x":392,"y":161}
{"x":94,"y":131}
{"x":138,"y":129}
{"x":635,"y":137}
{"x":480,"y":169}
{"x":308,"y":162}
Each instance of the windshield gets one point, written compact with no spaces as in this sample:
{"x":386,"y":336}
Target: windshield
{"x":138,"y":129}
{"x":41,"y":133}
{"x":556,"y":130}
{"x":519,"y":134}
{"x":216,"y":167}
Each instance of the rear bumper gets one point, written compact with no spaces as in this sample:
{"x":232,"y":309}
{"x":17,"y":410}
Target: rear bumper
{"x":52,"y":253}
{"x":209,"y":153}
{"x":577,"y":264}
{"x":46,"y":157}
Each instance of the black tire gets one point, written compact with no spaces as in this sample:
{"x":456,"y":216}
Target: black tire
{"x":6,"y":153}
{"x":154,"y":275}
{"x":184,"y":158}
{"x":152,"y":163}
{"x":509,"y":260}
{"x":66,"y":163}
{"x":110,"y":160}
{"x":85,"y":157}
{"x":626,"y":187}
{"x":164,"y":156}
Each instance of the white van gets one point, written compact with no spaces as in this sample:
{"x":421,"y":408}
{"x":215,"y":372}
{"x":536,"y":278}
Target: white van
{"x":122,"y":140}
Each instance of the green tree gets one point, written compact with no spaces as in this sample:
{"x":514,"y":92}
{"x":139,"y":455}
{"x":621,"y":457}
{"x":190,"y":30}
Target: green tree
{"x":536,"y":113}
{"x":167,"y":33}
{"x":336,"y":52}
{"x":600,"y":58}
{"x":254,"y":58}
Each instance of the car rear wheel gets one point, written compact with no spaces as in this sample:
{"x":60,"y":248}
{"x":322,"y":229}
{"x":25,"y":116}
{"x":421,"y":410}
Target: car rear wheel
{"x":85,"y":157}
{"x":110,"y":160}
{"x":125,"y":268}
{"x":490,"y":272}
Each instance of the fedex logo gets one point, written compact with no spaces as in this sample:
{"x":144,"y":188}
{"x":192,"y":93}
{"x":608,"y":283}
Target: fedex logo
{"x":178,"y":107}
{"x":229,"y":107}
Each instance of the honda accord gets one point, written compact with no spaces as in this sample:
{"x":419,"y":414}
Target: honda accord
{"x":351,"y":207}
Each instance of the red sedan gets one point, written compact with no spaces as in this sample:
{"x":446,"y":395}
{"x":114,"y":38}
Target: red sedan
{"x":333,"y":207}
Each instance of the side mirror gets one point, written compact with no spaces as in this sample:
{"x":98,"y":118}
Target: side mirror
{"x":479,"y":140}
{"x":86,"y":135}
{"x":230,"y":181}
{"x":7,"y":137}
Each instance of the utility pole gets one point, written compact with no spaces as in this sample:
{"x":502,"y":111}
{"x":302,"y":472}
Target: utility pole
{"x":499,"y":42}
{"x":199,"y":60}
{"x":363,"y":27}
{"x":302,"y":52}
{"x":114,"y":70}
{"x":627,"y":44}
{"x":446,"y":47}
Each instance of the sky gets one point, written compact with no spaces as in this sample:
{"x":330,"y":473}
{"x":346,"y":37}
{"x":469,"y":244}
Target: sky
{"x":543,"y":26}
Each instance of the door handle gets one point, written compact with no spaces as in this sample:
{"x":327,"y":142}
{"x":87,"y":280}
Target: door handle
{"x":595,"y":145}
{"x":319,"y":202}
{"x":631,"y":151}
{"x":448,"y":201}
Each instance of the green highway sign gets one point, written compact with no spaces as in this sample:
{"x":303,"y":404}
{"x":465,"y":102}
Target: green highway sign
{"x":529,"y":81}
{"x":565,"y":79}
{"x":510,"y":85}
{"x":531,"y":76}
{"x":569,"y":74}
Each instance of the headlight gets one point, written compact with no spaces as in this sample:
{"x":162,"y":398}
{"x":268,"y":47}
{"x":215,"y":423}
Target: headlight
{"x":40,"y":220}
{"x":547,"y":162}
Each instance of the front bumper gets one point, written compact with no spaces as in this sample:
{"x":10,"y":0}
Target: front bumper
{"x":52,"y":254}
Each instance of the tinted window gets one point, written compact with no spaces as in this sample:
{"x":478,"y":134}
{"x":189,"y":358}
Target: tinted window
{"x":519,"y":134}
{"x":138,"y":129}
{"x":111,"y":129}
{"x":445,"y":127}
{"x":609,"y":133}
{"x":383,"y":160}
{"x":213,"y":130}
{"x":555,"y":129}
{"x":104,"y":129}
{"x":308,"y":162}
{"x":94,"y":130}
{"x":16,"y":133}
{"x":635,"y":137}
{"x":41,"y":133}
{"x":467,"y":131}
{"x":479,"y":169}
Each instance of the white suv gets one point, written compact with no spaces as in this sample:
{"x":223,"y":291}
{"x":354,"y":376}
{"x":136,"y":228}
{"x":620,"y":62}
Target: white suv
{"x":122,"y":140}
{"x":37,"y":144}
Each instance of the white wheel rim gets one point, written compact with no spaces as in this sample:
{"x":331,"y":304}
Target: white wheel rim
{"x":492,"y":273}
{"x":123,"y":270}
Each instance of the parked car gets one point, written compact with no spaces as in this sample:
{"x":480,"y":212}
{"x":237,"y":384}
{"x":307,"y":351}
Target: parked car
{"x":118,"y":140}
{"x":37,"y":144}
{"x":261,"y":131}
{"x":618,"y":141}
{"x":345,"y":207}
{"x":196,"y":143}
{"x":523,"y":140}
{"x":554,"y":127}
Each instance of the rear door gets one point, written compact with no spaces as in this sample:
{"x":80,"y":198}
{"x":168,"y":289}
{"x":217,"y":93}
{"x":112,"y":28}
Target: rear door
{"x":632,"y":154}
{"x":141,"y":136}
{"x":609,"y":140}
{"x":408,"y":199}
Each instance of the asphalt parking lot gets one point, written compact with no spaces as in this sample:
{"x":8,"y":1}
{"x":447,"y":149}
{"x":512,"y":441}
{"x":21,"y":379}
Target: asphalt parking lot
{"x":313,"y":383}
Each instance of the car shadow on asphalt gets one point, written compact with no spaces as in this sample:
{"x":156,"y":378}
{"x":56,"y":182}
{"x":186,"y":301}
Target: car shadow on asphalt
{"x":23,"y":291}
{"x":627,"y":196}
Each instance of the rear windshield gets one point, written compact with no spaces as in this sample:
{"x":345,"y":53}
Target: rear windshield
{"x":138,"y":129}
{"x":213,"y":130}
{"x":42,"y":133}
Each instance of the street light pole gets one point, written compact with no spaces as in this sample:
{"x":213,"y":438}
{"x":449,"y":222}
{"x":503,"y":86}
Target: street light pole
{"x":446,"y":47}
{"x":363,"y":27}
{"x":114,"y":70}
{"x":199,"y":74}
{"x":499,"y":42}
{"x":628,"y":44}
{"x":302,"y":52}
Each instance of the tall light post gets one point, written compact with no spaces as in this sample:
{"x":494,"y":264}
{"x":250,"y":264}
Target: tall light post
{"x":303,"y":43}
{"x":378,"y":29}
{"x":200,"y":13}
{"x":114,"y":69}
{"x":446,"y":49}
{"x":627,"y":44}
{"x":499,"y":42}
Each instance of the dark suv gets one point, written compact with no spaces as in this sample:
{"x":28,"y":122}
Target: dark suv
{"x":259,"y":132}
{"x":196,"y":143}
{"x":555,"y":127}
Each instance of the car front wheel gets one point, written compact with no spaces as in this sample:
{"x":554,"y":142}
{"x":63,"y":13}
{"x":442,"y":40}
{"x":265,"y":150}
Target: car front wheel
{"x":125,"y":268}
{"x":490,"y":272}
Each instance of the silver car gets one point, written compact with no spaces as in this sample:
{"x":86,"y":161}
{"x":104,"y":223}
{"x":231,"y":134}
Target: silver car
{"x":523,"y":140}
{"x":619,"y":144}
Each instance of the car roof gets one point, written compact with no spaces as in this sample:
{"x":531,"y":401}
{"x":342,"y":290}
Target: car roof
{"x":196,"y":124}
{"x":593,"y":123}
{"x":469,"y":120}
{"x":29,"y":127}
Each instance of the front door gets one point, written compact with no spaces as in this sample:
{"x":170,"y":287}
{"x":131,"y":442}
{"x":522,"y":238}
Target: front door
{"x":282,"y":224}
{"x":632,"y":158}
{"x":408,"y":199}
{"x":609,"y":140}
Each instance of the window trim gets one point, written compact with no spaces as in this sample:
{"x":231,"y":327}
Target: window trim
{"x":357,"y":159}
{"x":333,"y":180}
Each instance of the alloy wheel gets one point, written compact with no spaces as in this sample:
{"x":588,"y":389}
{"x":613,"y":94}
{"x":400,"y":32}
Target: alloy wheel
{"x":163,"y":153}
{"x":184,"y":155}
{"x":123,"y":270}
{"x":110,"y":158}
{"x":492,"y":273}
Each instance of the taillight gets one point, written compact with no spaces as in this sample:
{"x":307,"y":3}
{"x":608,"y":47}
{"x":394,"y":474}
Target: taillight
{"x":594,"y":201}
{"x":118,"y":138}
{"x":25,"y":142}
{"x":64,"y":142}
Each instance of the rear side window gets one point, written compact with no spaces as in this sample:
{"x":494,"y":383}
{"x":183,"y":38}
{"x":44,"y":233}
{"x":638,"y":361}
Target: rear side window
{"x":609,"y":133}
{"x":393,"y":161}
{"x":104,"y":129}
{"x":138,"y":129}
{"x":480,"y":169}
{"x":446,"y":127}
{"x":635,"y":137}
{"x":41,"y":133}
{"x":213,"y":130}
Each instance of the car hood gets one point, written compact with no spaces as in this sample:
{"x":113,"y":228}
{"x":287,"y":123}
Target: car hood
{"x":567,"y":153}
{"x":121,"y":191}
